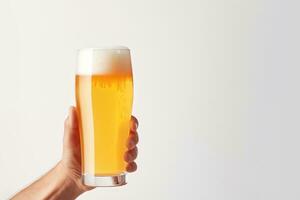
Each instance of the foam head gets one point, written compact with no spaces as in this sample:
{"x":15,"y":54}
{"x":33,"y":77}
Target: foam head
{"x":104,"y":60}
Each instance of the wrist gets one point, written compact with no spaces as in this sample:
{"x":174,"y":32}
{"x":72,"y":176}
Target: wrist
{"x":71,"y":182}
{"x":73,"y":179}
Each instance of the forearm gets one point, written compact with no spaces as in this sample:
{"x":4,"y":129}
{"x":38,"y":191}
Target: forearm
{"x":55,"y":185}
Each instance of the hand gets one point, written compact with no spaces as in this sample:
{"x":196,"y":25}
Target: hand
{"x":71,"y":159}
{"x":64,"y":180}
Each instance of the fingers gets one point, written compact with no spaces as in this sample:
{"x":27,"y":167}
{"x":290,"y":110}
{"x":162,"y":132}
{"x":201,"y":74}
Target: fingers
{"x":73,"y":117}
{"x":131,"y":155}
{"x":133,"y":123}
{"x":131,"y":167}
{"x":132,"y":152}
{"x":71,"y":136}
{"x":71,"y":122}
{"x":132,"y":140}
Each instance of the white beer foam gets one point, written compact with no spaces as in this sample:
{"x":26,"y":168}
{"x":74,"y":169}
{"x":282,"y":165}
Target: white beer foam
{"x":98,"y":60}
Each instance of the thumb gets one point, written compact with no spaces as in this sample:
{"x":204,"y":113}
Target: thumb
{"x":71,"y":132}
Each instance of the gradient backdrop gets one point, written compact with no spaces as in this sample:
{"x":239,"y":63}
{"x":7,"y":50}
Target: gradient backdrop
{"x":216,"y":93}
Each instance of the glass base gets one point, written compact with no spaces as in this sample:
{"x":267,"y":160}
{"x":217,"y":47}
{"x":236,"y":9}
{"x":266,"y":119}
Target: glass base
{"x":104,"y":181}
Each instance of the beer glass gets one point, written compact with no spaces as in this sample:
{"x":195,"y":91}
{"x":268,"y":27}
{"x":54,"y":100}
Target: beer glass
{"x":104,"y":93}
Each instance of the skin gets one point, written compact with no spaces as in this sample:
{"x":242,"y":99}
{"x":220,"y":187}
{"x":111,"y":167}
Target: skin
{"x":64,"y":180}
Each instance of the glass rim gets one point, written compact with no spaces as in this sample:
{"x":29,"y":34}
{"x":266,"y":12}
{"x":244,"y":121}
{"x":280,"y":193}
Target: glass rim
{"x":104,"y":48}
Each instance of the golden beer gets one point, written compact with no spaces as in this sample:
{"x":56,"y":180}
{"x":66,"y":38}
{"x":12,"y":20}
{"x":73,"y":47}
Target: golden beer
{"x":104,"y":92}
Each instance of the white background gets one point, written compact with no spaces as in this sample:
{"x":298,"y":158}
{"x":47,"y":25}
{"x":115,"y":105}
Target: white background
{"x":216,"y":93}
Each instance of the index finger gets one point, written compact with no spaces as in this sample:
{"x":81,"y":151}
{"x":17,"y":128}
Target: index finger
{"x":133,"y":123}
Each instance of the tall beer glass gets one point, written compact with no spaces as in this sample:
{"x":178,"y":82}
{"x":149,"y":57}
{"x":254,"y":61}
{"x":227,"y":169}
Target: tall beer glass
{"x":104,"y":92}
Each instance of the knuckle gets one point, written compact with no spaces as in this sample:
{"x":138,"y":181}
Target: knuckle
{"x":131,"y":167}
{"x":134,"y":153}
{"x":136,"y":139}
{"x":134,"y":166}
{"x":135,"y":120}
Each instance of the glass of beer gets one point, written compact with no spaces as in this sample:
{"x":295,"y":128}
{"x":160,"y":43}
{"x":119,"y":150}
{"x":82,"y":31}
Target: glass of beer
{"x":104,"y":93}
